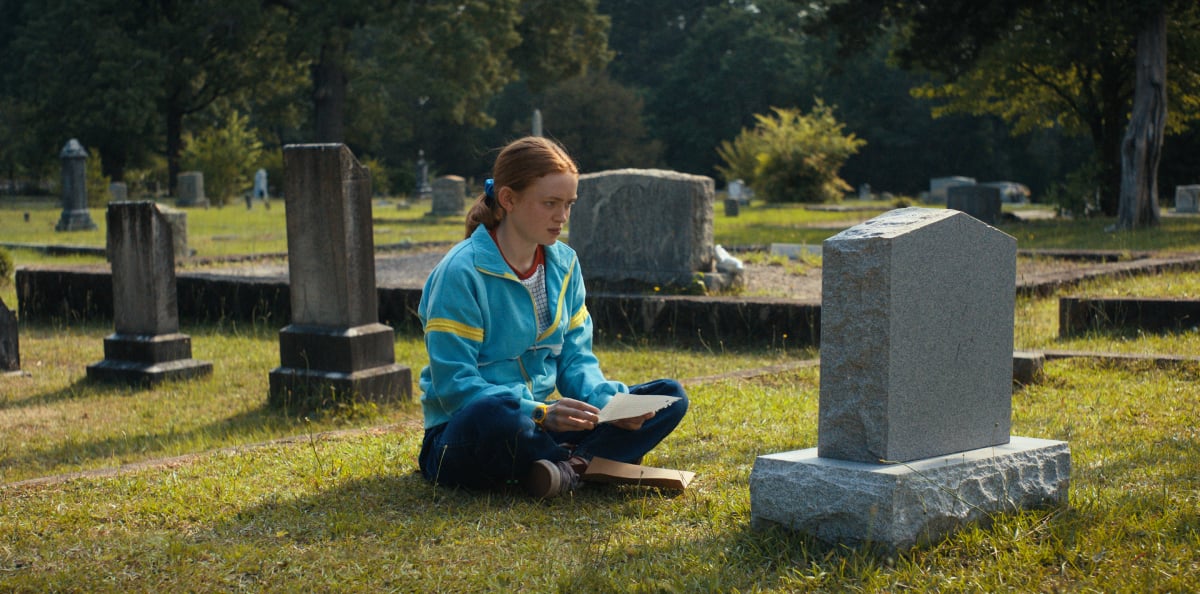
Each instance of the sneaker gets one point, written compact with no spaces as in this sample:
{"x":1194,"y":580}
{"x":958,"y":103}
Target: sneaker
{"x":550,"y":479}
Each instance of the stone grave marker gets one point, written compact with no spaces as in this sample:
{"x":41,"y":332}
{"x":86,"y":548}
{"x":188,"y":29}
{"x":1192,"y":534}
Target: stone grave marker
{"x":864,"y":192}
{"x":1187,"y":199}
{"x":422,"y":189}
{"x":737,"y":190}
{"x":449,"y":192}
{"x":146,"y":347}
{"x":938,"y":187}
{"x":916,"y":389}
{"x":10,"y":345}
{"x":643,"y":226}
{"x":261,"y":191}
{"x":335,"y":349}
{"x":118,"y":191}
{"x":191,"y":189}
{"x":75,"y":216}
{"x":980,"y":201}
{"x":177,"y":219}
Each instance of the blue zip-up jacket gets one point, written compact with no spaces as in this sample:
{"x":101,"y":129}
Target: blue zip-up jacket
{"x":481,"y":333}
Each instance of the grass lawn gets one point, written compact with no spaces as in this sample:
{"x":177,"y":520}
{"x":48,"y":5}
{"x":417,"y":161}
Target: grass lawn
{"x":265,"y":502}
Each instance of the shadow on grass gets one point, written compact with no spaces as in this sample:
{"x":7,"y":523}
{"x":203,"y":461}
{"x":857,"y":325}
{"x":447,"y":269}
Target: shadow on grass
{"x":255,"y":424}
{"x":80,"y":388}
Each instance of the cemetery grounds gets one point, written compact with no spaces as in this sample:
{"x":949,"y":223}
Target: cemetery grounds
{"x":197,"y":486}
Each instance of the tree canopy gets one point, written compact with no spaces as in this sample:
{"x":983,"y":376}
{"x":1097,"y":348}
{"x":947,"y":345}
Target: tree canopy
{"x":1037,"y":64}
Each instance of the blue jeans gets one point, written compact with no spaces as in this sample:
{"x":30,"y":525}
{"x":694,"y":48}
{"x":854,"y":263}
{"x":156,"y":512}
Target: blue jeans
{"x":491,"y":443}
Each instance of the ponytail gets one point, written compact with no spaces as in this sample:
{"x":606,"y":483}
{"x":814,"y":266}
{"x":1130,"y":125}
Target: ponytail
{"x":486,"y":211}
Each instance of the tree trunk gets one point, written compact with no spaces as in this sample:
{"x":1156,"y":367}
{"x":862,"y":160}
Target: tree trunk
{"x":329,"y":94}
{"x":1142,"y":147}
{"x":174,"y":146}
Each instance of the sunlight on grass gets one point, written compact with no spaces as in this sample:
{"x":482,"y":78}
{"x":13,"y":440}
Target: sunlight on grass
{"x":1037,"y":324}
{"x":333,"y":501}
{"x":332,"y":511}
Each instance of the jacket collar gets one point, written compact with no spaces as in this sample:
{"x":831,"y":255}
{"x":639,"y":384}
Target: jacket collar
{"x":488,"y":257}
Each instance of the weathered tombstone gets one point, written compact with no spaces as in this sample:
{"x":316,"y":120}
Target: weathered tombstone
{"x":335,"y":350}
{"x":191,"y":189}
{"x":643,"y":227}
{"x":732,"y":207}
{"x":864,"y":192}
{"x":537,"y":122}
{"x":423,"y":189}
{"x":177,"y":220}
{"x":939,"y":185}
{"x":119,"y":191}
{"x":916,"y":390}
{"x":75,"y":216}
{"x":737,"y":191}
{"x":260,"y":185}
{"x":1028,"y":367}
{"x":147,"y":347}
{"x":10,"y":347}
{"x":1187,"y":199}
{"x":449,"y":191}
{"x":979,"y":201}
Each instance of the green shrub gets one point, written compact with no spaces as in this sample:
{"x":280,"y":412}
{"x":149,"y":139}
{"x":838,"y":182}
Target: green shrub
{"x":6,"y":267}
{"x":790,"y":156}
{"x":98,"y":193}
{"x":227,"y":156}
{"x":381,"y":183}
{"x":149,"y":181}
{"x":1077,"y":195}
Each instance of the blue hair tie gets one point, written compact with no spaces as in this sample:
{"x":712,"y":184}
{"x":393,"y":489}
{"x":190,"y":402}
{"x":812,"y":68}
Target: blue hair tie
{"x":489,"y":188}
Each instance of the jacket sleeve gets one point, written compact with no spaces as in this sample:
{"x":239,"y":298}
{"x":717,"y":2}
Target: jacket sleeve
{"x":579,"y":374}
{"x":452,"y":316}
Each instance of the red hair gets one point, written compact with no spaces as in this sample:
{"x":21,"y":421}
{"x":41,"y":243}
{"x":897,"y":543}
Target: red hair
{"x":519,"y":164}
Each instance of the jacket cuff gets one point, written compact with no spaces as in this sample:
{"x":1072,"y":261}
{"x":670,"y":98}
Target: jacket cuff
{"x":528,"y":405}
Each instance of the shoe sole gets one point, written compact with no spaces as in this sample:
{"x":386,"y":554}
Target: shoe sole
{"x":544,"y":480}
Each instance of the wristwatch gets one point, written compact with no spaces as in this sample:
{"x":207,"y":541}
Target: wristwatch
{"x":539,"y":414}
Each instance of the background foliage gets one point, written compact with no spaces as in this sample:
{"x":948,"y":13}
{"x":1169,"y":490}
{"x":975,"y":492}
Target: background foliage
{"x":791,"y":156}
{"x":622,"y":83}
{"x":227,"y":154}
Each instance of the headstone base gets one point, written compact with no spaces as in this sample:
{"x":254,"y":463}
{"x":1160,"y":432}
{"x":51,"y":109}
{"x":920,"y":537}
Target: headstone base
{"x":1028,"y":367}
{"x":146,"y":360}
{"x":300,"y":390}
{"x":899,"y":506}
{"x":201,"y":203}
{"x":321,"y":366}
{"x":75,"y":220}
{"x":697,"y":283}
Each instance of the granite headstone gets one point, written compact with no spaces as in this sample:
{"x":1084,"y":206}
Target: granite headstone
{"x":449,"y":193}
{"x":335,"y":350}
{"x":980,"y":201}
{"x":191,"y":189}
{"x":1187,"y":199}
{"x":10,"y":345}
{"x":916,"y":390}
{"x":146,"y":347}
{"x":643,"y":226}
{"x":75,"y":216}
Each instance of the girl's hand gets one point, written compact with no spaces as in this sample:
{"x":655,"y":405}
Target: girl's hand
{"x":569,"y":414}
{"x":632,"y":423}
